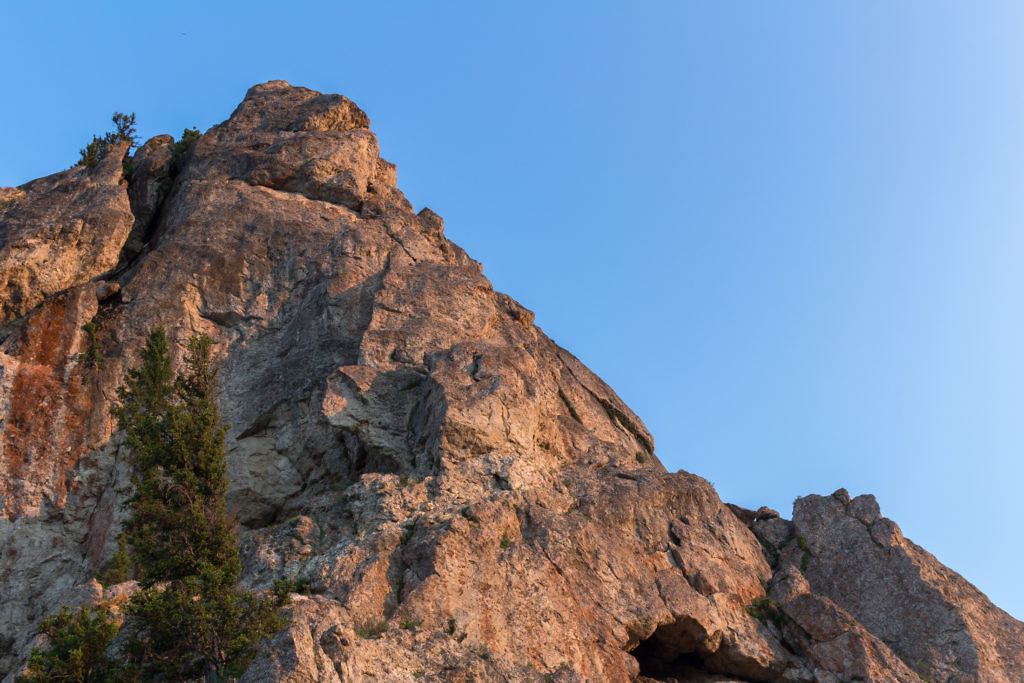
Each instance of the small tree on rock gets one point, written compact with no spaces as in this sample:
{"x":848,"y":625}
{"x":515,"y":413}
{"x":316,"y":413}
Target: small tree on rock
{"x":124,"y":131}
{"x":190,"y":618}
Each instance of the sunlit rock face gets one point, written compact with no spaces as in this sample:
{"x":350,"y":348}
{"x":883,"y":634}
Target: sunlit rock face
{"x":408,"y":440}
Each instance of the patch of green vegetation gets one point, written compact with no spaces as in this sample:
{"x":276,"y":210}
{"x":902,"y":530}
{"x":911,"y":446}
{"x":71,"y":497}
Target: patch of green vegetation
{"x":92,"y":357}
{"x":569,"y":405}
{"x":410,"y":529}
{"x":118,"y":569}
{"x":641,"y":457}
{"x":769,"y":552}
{"x":372,"y":628}
{"x":806,"y":558}
{"x":617,"y":415}
{"x":505,"y":541}
{"x":178,"y":149}
{"x":77,"y":651}
{"x":450,"y":628}
{"x":409,"y":624}
{"x":124,"y":131}
{"x":767,"y":611}
{"x":283,"y":588}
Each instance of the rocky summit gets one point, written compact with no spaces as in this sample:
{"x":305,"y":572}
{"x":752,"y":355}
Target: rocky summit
{"x":461,"y":498}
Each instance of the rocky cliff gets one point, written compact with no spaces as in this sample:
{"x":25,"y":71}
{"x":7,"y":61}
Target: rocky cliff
{"x":405,"y":438}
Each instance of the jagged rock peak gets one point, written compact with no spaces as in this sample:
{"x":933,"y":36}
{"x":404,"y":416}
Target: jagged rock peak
{"x":409,"y":441}
{"x":280,"y":106}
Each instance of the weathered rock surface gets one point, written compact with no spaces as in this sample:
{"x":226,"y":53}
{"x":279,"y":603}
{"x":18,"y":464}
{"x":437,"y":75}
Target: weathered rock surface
{"x":404,"y":437}
{"x":64,"y":230}
{"x":940,"y":625}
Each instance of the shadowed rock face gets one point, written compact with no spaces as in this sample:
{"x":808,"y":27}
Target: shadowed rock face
{"x":404,"y":437}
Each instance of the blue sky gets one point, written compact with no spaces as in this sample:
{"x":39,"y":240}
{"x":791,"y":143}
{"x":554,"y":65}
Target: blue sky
{"x":788,"y":234}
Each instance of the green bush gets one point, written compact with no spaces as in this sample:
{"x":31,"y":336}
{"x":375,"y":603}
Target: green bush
{"x":805,"y":559}
{"x":93,"y":354}
{"x":371,"y":628}
{"x":197,"y":626}
{"x":118,"y":569}
{"x":178,"y":521}
{"x":124,"y":131}
{"x":569,"y":405}
{"x":190,"y":619}
{"x":77,"y":649}
{"x":283,"y":588}
{"x":767,"y":611}
{"x":178,"y":149}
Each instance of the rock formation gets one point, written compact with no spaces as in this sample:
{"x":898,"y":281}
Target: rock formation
{"x":407,"y":440}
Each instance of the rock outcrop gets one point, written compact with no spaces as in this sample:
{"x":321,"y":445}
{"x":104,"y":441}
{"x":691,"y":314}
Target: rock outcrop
{"x":466,"y":499}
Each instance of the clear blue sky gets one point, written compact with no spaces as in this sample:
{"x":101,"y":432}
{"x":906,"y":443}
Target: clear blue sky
{"x":789,"y":234}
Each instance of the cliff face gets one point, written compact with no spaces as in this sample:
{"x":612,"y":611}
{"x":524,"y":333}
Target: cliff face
{"x":404,"y":437}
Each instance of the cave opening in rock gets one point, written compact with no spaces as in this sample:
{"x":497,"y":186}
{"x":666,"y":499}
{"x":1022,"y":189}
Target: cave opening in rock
{"x":671,"y":652}
{"x":658,"y":663}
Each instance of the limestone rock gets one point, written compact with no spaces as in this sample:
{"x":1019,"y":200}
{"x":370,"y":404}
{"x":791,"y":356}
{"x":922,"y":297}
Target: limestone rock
{"x":934,"y":620}
{"x":839,"y":648}
{"x":151,"y":180}
{"x":64,"y":230}
{"x":466,"y":500}
{"x":8,"y":195}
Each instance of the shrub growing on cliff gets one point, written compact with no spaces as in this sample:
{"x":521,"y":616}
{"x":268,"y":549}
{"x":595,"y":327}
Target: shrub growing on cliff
{"x":190,"y":618}
{"x":124,"y":131}
{"x":178,"y":149}
{"x":77,"y":648}
{"x":93,"y":354}
{"x":118,"y":569}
